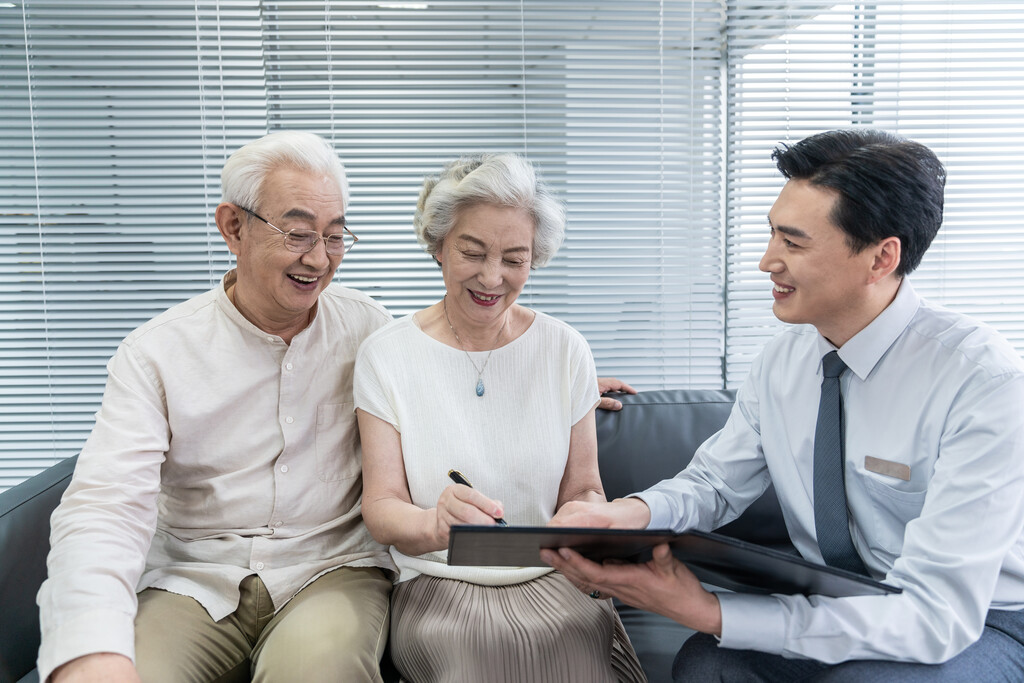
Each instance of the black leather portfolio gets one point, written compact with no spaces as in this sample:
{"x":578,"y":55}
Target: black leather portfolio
{"x":715,"y":559}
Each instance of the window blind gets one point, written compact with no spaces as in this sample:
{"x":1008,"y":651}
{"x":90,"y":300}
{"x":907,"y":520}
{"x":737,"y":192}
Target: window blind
{"x":948,"y":74}
{"x":617,"y":104}
{"x":116,"y":118}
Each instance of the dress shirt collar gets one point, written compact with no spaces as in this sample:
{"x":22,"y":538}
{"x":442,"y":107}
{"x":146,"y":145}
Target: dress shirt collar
{"x":867,"y":347}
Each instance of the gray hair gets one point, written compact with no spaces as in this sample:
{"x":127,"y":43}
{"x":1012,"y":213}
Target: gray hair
{"x":500,"y":179}
{"x":242,"y":177}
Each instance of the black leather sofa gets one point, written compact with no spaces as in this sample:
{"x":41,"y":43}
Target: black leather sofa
{"x":653,"y":437}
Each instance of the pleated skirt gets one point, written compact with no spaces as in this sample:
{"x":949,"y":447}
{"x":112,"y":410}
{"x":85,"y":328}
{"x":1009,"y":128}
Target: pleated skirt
{"x":449,"y":631}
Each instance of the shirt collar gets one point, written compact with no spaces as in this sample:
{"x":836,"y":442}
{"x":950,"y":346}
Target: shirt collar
{"x":233,"y":314}
{"x":867,"y":347}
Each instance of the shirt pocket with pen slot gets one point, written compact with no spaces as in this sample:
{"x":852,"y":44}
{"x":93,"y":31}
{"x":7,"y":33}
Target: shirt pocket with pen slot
{"x":893,"y":507}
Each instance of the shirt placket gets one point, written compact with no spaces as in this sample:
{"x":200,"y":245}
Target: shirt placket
{"x":287,"y":468}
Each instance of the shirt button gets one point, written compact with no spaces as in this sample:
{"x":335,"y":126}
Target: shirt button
{"x":259,"y":566}
{"x":284,"y":468}
{"x":289,"y":419}
{"x":277,"y":524}
{"x":270,"y":339}
{"x":288,"y":366}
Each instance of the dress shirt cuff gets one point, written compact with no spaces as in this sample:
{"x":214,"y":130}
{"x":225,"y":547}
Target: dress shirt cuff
{"x":662,"y":515}
{"x":752,"y":622}
{"x":97,"y":631}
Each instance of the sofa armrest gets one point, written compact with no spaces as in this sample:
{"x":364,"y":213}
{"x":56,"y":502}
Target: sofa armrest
{"x":24,"y":543}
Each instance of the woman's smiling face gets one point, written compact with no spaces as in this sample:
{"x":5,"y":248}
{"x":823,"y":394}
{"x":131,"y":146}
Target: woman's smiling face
{"x":485,"y":261}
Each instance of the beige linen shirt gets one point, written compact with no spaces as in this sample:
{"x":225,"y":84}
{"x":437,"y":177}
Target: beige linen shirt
{"x":221,"y":452}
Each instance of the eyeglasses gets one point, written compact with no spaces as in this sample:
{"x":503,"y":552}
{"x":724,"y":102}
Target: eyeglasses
{"x":303,"y":241}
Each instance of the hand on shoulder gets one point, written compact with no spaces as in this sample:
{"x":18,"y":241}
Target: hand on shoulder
{"x":100,"y":667}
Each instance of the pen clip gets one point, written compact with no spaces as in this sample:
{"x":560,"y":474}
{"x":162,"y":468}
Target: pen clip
{"x":459,"y":478}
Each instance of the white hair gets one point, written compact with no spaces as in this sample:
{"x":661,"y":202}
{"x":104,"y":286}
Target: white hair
{"x":242,"y":177}
{"x":501,"y":179}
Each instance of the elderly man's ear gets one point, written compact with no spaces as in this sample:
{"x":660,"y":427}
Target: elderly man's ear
{"x":229,"y":220}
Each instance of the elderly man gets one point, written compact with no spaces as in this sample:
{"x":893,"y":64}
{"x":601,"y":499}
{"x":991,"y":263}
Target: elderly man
{"x":222,"y":480}
{"x":892,"y":431}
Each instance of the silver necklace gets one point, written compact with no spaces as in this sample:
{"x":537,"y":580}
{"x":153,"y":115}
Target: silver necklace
{"x":480,"y":369}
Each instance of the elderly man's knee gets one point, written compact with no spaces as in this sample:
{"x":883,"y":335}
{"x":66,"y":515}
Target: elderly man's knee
{"x":316,"y":657}
{"x":334,"y":629}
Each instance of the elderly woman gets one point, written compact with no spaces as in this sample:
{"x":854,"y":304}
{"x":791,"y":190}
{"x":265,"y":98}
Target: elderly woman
{"x":506,"y":395}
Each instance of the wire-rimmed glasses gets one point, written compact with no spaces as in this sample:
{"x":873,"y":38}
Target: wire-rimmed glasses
{"x":303,"y":241}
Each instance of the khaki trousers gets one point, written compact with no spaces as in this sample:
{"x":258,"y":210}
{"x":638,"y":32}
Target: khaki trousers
{"x":334,"y":629}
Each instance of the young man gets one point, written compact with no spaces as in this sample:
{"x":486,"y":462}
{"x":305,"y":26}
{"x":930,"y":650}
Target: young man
{"x":892,"y":431}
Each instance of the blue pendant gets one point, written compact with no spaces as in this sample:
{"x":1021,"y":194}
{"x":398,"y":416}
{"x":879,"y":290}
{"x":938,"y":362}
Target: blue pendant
{"x":480,"y":387}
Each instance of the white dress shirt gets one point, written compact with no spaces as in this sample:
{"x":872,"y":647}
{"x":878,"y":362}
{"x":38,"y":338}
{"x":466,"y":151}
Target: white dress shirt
{"x":926,"y":388}
{"x":221,"y":451}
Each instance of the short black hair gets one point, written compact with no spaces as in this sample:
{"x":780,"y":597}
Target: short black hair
{"x":886,"y":185}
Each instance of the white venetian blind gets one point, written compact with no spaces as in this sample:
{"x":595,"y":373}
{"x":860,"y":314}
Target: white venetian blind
{"x":617,"y":103}
{"x":948,"y":74}
{"x":115,"y":118}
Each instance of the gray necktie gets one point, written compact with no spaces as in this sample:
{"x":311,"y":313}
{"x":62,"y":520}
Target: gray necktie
{"x":831,"y":521}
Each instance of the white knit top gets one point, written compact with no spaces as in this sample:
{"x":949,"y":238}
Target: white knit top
{"x":512,"y":443}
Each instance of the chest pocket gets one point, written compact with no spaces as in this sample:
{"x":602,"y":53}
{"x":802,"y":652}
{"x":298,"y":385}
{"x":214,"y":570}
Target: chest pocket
{"x":337,"y":438}
{"x":892,"y":510}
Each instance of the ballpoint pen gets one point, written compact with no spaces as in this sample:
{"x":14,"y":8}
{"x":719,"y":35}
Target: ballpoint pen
{"x":460,"y":478}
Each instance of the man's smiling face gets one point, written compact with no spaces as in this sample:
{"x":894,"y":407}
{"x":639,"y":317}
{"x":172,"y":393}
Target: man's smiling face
{"x":278,"y":285}
{"x":817,"y":278}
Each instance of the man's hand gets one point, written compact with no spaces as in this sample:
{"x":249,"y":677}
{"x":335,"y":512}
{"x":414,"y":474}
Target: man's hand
{"x":663,"y":585}
{"x":621,"y":513}
{"x":101,"y":667}
{"x":606,"y":384}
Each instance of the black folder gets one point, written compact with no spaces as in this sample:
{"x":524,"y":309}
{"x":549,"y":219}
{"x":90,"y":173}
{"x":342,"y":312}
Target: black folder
{"x":715,"y":559}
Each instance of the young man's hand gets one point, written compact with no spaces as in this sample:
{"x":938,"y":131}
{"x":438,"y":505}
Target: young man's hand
{"x":662,"y":585}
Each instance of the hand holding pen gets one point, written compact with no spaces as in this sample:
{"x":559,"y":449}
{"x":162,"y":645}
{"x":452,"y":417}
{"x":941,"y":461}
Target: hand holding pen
{"x":460,"y":478}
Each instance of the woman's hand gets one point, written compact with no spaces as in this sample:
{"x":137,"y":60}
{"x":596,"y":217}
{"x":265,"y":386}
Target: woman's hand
{"x":460,"y":504}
